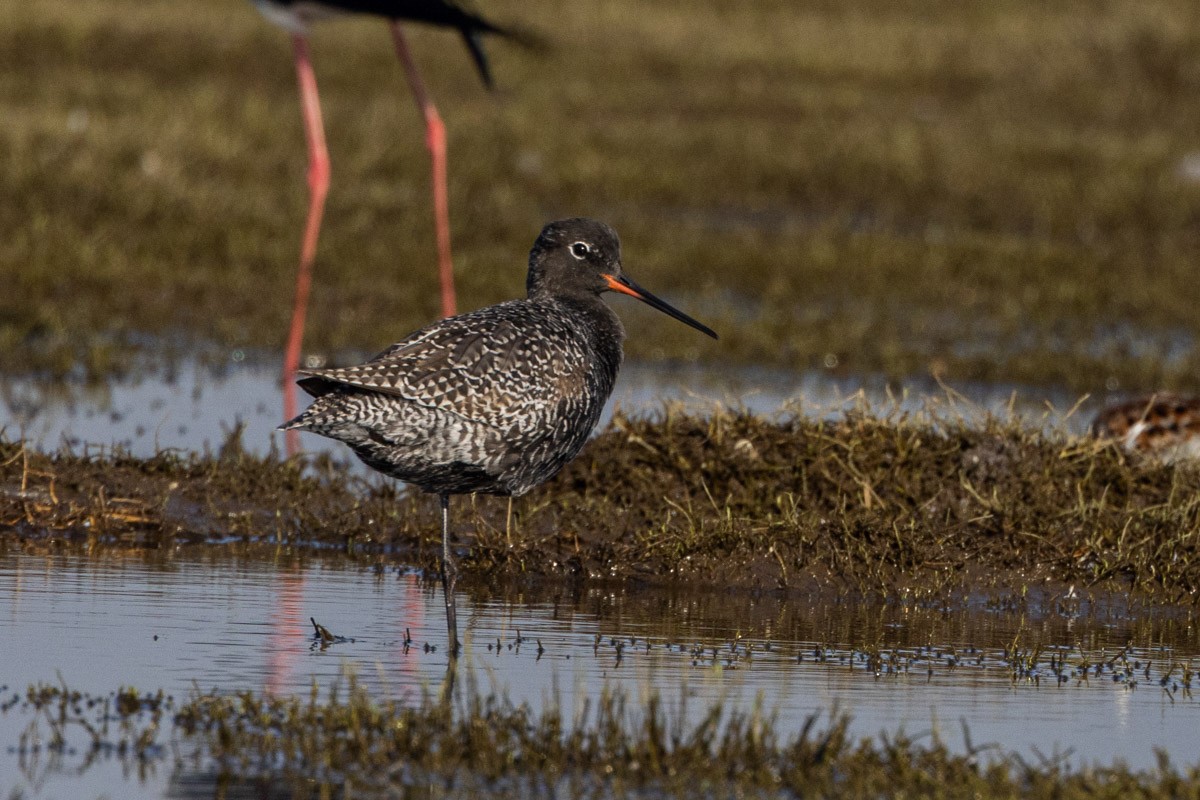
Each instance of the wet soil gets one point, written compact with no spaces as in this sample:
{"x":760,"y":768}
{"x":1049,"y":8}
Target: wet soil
{"x":890,"y":505}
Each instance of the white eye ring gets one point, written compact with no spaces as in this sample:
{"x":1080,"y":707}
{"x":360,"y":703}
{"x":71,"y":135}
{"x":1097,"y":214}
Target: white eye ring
{"x":580,"y":250}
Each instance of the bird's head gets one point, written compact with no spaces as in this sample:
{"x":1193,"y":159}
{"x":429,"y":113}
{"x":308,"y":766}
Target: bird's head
{"x":581,"y":256}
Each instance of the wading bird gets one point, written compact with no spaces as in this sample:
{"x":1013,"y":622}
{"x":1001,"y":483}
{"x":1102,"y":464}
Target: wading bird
{"x":495,"y":401}
{"x":296,"y":16}
{"x":1164,"y":425}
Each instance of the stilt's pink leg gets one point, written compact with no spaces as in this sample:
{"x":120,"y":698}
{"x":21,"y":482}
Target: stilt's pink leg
{"x":318,"y":187}
{"x":435,"y":138}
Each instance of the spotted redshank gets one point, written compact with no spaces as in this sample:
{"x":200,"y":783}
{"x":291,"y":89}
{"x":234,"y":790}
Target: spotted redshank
{"x":498,"y":400}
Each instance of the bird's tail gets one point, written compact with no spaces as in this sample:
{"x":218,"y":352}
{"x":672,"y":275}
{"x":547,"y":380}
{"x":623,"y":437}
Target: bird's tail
{"x":473,"y":37}
{"x":295,"y":423}
{"x":517,"y":34}
{"x":316,"y":386}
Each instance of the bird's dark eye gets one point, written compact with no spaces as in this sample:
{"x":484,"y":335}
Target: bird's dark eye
{"x":580,"y":249}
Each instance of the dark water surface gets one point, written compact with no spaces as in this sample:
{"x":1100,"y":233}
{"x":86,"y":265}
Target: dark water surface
{"x":219,"y":623}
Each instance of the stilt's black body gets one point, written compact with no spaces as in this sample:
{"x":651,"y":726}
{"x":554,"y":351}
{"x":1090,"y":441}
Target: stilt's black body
{"x":497,"y":400}
{"x":296,"y":14}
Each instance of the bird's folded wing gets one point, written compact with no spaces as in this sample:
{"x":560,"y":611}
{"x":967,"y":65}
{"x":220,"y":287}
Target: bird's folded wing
{"x":490,"y":366}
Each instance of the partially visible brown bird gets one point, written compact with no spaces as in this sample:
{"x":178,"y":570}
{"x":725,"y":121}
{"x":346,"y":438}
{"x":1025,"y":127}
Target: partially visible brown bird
{"x":1164,"y":425}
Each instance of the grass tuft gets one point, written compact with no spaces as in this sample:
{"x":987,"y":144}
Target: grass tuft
{"x":912,"y":504}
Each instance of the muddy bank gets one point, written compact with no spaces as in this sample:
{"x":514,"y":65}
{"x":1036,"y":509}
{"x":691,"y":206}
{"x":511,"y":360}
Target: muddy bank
{"x":880,"y":505}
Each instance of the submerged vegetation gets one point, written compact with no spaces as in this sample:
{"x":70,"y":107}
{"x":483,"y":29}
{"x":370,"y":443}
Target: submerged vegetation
{"x":352,"y":743}
{"x":914,"y":505}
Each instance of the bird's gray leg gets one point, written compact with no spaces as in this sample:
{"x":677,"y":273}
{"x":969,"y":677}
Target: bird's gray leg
{"x":508,"y":524}
{"x":449,"y":578}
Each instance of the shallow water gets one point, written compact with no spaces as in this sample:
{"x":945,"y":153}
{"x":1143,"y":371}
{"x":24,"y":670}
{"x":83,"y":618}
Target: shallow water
{"x":219,"y":623}
{"x":194,"y":408}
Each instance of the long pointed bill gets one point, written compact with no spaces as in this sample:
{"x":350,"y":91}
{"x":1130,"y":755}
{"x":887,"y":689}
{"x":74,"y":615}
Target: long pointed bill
{"x":624,"y":285}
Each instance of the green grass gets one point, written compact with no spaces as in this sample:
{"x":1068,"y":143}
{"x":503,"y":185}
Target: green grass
{"x":990,"y":192}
